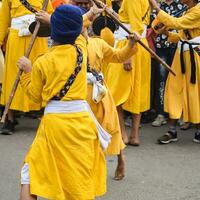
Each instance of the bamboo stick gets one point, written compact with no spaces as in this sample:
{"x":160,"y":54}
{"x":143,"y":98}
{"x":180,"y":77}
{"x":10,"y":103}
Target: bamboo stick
{"x":114,"y":16}
{"x":27,"y":53}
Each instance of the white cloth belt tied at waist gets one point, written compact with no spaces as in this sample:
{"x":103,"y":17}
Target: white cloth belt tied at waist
{"x":121,"y":34}
{"x":99,"y":90}
{"x":186,"y":46}
{"x":76,"y":106}
{"x":22,"y":24}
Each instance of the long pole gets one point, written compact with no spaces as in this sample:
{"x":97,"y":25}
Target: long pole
{"x":114,"y":16}
{"x":27,"y":53}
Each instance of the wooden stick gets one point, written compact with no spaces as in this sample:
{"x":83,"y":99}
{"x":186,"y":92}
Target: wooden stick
{"x":114,"y":16}
{"x":27,"y":53}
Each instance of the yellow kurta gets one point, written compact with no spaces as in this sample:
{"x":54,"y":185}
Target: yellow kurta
{"x":181,"y":96}
{"x":15,"y":48}
{"x":1,"y":66}
{"x":100,"y":53}
{"x":65,"y":160}
{"x":132,"y":89}
{"x":1,"y":61}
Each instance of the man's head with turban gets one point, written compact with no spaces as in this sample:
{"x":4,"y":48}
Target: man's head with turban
{"x":66,"y":24}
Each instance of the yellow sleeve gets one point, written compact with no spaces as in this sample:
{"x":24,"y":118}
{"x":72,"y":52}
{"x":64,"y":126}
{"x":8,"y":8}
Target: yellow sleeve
{"x":113,"y":55}
{"x":190,"y":20}
{"x":32,"y":83}
{"x":4,"y":20}
{"x":173,"y":37}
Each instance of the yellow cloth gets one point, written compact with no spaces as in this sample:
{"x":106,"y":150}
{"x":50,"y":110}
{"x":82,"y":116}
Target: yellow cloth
{"x":1,"y":66}
{"x":65,"y":159}
{"x":118,"y":80}
{"x":132,"y":89}
{"x":108,"y":36}
{"x":182,"y":97}
{"x":132,"y":12}
{"x":12,"y":9}
{"x":1,"y":60}
{"x":99,"y":53}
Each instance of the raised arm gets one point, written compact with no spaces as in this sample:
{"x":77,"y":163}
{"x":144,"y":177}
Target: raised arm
{"x":187,"y":21}
{"x":120,"y":55}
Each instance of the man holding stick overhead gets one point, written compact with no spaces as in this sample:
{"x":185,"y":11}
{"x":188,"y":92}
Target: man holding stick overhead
{"x":18,"y":16}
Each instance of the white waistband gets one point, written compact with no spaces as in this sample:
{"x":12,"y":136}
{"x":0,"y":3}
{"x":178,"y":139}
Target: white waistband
{"x":99,"y":90}
{"x":76,"y":106}
{"x":22,"y":24}
{"x":186,"y":46}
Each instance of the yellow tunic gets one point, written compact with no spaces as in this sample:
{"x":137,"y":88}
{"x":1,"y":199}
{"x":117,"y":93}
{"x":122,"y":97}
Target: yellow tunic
{"x":100,"y":53}
{"x":15,"y":48}
{"x":1,"y":61}
{"x":65,"y":160}
{"x":132,"y":89}
{"x":1,"y":66}
{"x":181,"y":96}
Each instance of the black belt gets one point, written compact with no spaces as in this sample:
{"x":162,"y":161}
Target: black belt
{"x":193,"y":63}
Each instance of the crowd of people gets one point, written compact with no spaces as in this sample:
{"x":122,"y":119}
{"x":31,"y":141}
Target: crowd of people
{"x":89,"y":75}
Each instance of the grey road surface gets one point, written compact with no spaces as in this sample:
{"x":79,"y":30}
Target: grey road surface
{"x":153,"y":172}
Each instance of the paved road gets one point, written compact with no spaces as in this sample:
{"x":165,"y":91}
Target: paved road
{"x":153,"y":172}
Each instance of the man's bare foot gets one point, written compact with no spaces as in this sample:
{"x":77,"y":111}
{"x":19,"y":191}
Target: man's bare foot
{"x":134,"y":141}
{"x":120,"y":170}
{"x":125,"y":139}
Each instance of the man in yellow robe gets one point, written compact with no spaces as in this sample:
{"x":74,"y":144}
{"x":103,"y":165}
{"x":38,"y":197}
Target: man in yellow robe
{"x":65,"y":160}
{"x":182,"y":93}
{"x":131,"y":87}
{"x":100,"y":54}
{"x":14,"y":21}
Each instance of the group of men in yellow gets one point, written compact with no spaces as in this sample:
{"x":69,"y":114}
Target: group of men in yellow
{"x":85,"y":84}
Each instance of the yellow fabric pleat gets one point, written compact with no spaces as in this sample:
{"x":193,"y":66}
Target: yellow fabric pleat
{"x":182,"y":97}
{"x":106,"y":114}
{"x":131,"y":88}
{"x":1,"y":66}
{"x":20,"y":101}
{"x":117,"y":79}
{"x":66,"y":161}
{"x":71,"y":155}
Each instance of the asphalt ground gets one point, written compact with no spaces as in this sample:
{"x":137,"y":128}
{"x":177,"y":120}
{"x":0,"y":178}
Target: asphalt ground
{"x":153,"y":172}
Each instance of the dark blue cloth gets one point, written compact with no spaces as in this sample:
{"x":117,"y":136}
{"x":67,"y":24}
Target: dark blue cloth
{"x":66,"y":24}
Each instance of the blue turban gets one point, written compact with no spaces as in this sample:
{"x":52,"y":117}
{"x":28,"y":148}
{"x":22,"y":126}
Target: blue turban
{"x":66,"y":24}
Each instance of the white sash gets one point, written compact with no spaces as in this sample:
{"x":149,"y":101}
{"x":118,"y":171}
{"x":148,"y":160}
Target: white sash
{"x":76,"y":106}
{"x":186,"y":46}
{"x":22,"y":24}
{"x":99,"y":90}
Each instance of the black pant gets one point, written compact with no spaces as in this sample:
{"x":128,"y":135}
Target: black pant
{"x":159,"y":77}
